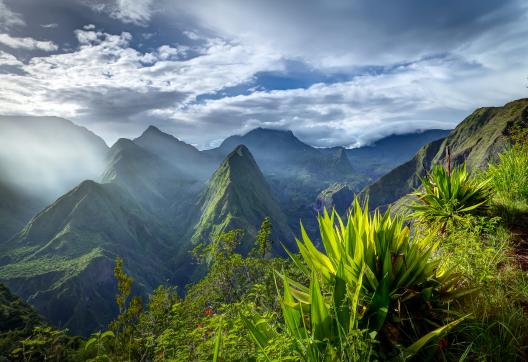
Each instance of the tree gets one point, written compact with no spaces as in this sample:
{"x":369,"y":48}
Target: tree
{"x":263,"y":241}
{"x":130,"y":309}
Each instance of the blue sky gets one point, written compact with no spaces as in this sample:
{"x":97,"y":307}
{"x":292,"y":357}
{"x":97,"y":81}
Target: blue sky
{"x":335,"y":72}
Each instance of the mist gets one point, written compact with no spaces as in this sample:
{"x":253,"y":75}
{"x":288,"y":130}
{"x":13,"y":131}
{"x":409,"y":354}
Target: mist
{"x":47,"y":156}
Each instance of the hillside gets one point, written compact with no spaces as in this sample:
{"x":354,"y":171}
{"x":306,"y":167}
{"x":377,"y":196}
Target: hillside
{"x":477,"y":140}
{"x":238,"y":196}
{"x":62,"y":261}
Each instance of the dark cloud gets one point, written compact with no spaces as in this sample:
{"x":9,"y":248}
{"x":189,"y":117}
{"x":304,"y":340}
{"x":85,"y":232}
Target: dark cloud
{"x":117,"y":104}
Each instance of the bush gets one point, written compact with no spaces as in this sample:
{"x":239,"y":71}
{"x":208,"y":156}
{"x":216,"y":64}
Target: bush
{"x":373,"y":282}
{"x":447,"y":197}
{"x":509,"y":177}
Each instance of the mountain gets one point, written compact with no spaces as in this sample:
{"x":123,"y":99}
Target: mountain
{"x":183,"y":156}
{"x":296,"y":172}
{"x":40,"y":159}
{"x":62,"y":261}
{"x":382,"y":156}
{"x":477,"y":140}
{"x":238,"y":196}
{"x":15,"y":313}
{"x":47,"y":156}
{"x":280,"y":153}
{"x":153,"y":181}
{"x":17,"y":320}
{"x":16,"y":208}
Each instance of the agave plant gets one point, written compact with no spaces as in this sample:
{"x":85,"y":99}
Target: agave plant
{"x":369,"y":271}
{"x":448,"y":196}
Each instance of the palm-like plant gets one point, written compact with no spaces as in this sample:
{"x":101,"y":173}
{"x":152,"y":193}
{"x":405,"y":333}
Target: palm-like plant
{"x":368,"y":273}
{"x":448,"y":196}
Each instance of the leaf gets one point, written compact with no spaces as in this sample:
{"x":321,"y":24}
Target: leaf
{"x":419,"y":344}
{"x":107,"y":334}
{"x":321,"y":322}
{"x":89,"y":343}
{"x":218,"y":343}
{"x":340,"y":292}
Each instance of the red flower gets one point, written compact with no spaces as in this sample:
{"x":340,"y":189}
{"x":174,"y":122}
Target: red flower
{"x":209,"y":312}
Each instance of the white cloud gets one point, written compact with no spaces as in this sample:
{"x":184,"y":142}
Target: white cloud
{"x":435,"y":93}
{"x":9,"y":59}
{"x":9,"y":18}
{"x":27,"y":43}
{"x":133,"y":11}
{"x":50,"y":26}
{"x":107,"y":82}
{"x":138,"y":12}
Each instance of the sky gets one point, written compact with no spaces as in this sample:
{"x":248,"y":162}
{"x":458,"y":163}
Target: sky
{"x":335,"y":72}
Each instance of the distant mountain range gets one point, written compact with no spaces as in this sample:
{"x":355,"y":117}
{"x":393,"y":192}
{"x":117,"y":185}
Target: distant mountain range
{"x":151,"y":200}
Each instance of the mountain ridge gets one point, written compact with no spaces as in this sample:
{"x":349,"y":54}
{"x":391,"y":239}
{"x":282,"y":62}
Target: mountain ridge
{"x":477,"y":140}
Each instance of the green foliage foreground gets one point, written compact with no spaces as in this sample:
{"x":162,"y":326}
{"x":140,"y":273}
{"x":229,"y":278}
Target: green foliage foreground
{"x":369,"y":282}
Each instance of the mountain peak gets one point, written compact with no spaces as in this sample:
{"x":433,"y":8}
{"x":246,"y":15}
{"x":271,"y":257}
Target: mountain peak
{"x":241,"y":151}
{"x":240,"y":161}
{"x":238,"y":196}
{"x":122,"y":143}
{"x":153,"y":131}
{"x":271,"y":132}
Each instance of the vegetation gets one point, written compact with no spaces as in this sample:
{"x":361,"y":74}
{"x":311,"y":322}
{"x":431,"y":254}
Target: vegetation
{"x":447,"y":196}
{"x":448,"y":282}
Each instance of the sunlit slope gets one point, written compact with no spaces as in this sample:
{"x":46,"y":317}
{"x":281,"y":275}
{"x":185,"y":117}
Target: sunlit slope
{"x":477,"y":140}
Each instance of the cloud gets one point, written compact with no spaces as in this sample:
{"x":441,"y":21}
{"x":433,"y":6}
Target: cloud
{"x":27,"y":43}
{"x":137,"y":12}
{"x":338,"y":73}
{"x":105,"y":81}
{"x":50,"y":26}
{"x":434,"y":93}
{"x":9,"y":18}
{"x":9,"y":59}
{"x":347,"y":33}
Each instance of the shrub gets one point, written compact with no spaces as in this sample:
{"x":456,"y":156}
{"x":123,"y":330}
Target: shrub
{"x":509,"y":177}
{"x":372,"y":282}
{"x":447,"y":197}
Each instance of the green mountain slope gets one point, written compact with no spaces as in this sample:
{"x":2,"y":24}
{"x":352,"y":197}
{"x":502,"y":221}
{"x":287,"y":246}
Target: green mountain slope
{"x":62,"y":261}
{"x":15,"y":314}
{"x":41,"y":158}
{"x":477,"y":140}
{"x":17,"y":319}
{"x":296,"y":172}
{"x":184,"y":157}
{"x":238,"y":196}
